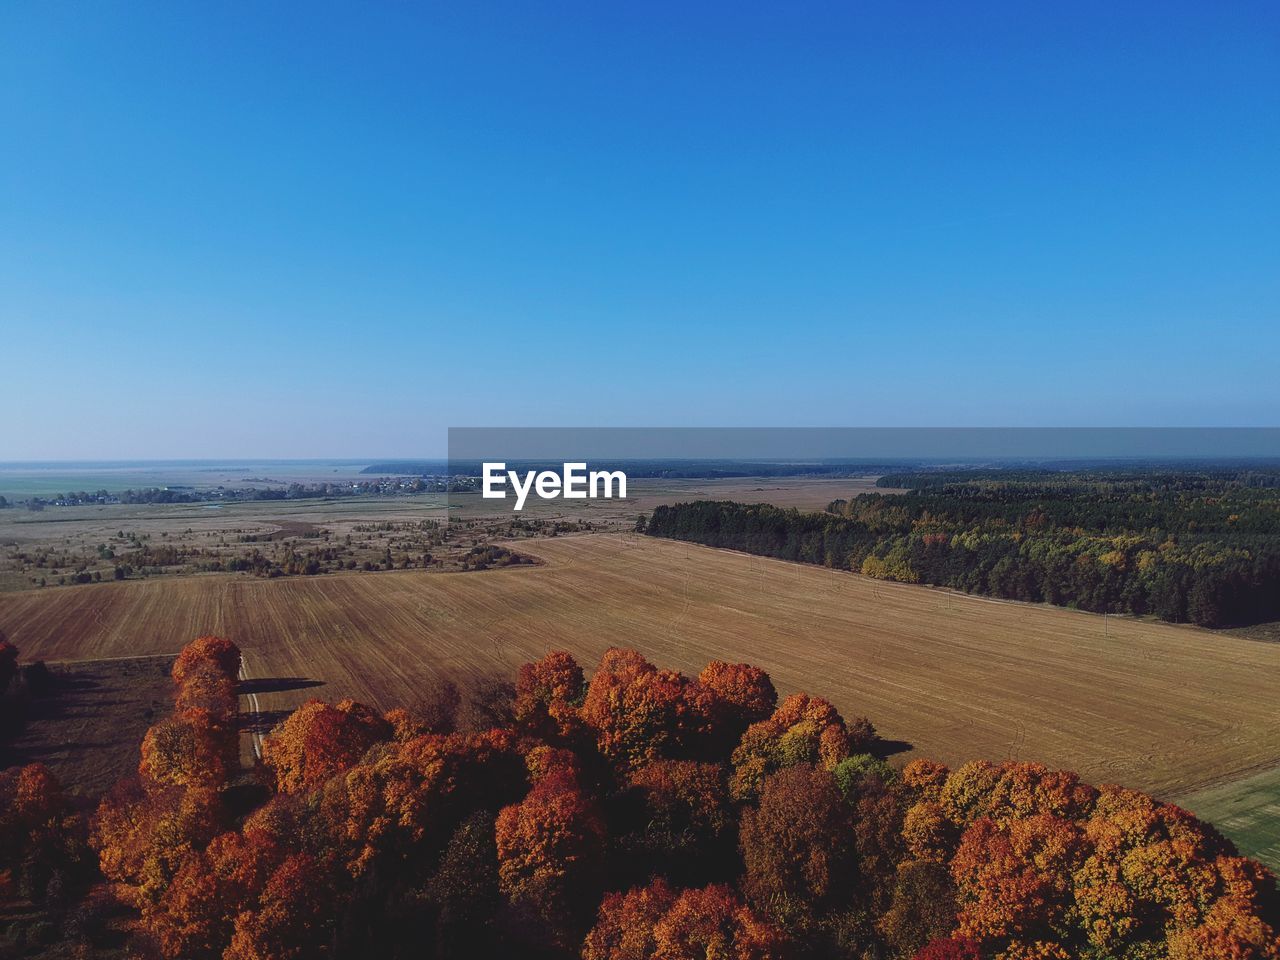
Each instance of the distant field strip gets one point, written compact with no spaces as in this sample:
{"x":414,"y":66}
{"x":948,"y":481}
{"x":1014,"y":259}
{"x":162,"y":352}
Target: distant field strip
{"x":1162,"y":708}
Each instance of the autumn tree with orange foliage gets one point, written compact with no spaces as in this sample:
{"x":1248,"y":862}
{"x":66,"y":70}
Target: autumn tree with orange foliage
{"x":676,"y":817}
{"x":641,"y":713}
{"x":1241,"y":922}
{"x":409,"y":795}
{"x":949,"y":948}
{"x":148,"y":828}
{"x":191,"y":748}
{"x":550,"y":856}
{"x":195,"y":916}
{"x":199,"y":744}
{"x":658,"y":923}
{"x":294,"y":917}
{"x":625,"y":927}
{"x":714,"y":922}
{"x":219,"y":652}
{"x":556,"y":678}
{"x":144,"y":835}
{"x":803,"y":729}
{"x":739,"y":829}
{"x":1046,"y":866}
{"x":1013,"y":880}
{"x":922,"y":780}
{"x":743,"y":695}
{"x":319,"y":740}
{"x":548,"y":697}
{"x":205,"y":686}
{"x":927,"y":832}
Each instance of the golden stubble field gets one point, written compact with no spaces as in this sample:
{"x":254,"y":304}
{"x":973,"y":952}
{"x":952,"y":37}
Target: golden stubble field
{"x":1154,"y":706}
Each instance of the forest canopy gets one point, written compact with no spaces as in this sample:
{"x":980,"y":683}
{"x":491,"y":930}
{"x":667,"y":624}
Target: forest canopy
{"x":640,"y":814}
{"x":1184,"y":546}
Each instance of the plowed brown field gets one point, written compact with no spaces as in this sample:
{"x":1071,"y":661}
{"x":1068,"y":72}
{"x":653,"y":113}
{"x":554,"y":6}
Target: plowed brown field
{"x":1153,"y":706}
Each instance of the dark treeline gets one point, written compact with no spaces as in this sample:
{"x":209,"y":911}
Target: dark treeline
{"x":1186,"y":547}
{"x":1162,"y":477}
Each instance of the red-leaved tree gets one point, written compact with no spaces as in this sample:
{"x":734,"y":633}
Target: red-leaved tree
{"x":798,"y":847}
{"x":319,"y":740}
{"x":657,"y":923}
{"x":550,"y":857}
{"x":641,"y":713}
{"x":219,"y":651}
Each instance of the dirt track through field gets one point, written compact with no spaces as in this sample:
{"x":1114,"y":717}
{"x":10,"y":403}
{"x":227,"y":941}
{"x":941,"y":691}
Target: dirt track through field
{"x":1154,"y":706}
{"x":253,"y":708}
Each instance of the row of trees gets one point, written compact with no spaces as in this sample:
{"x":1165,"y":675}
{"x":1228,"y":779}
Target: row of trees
{"x":1208,"y":555}
{"x":643,"y":815}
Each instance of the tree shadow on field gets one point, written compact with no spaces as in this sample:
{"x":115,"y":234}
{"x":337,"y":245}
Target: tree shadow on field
{"x":57,"y":697}
{"x":275,"y":684}
{"x":264,"y":721}
{"x":884,"y":749}
{"x":84,"y":719}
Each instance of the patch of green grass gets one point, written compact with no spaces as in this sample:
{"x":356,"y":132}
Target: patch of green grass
{"x":1247,"y":811}
{"x":1266,"y":632}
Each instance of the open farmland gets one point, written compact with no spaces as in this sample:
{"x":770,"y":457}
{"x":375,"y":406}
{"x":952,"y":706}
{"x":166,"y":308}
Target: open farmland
{"x":1157,"y":707}
{"x":68,"y":545}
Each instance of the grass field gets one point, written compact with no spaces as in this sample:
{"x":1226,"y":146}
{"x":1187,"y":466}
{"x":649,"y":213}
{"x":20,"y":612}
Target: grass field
{"x":1163,"y":708}
{"x":1247,"y":811}
{"x":88,"y":730}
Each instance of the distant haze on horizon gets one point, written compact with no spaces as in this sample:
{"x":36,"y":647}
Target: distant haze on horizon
{"x":472,"y":445}
{"x":274,"y":232}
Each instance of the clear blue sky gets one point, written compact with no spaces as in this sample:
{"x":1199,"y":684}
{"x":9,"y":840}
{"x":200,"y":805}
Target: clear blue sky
{"x":315,"y":230}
